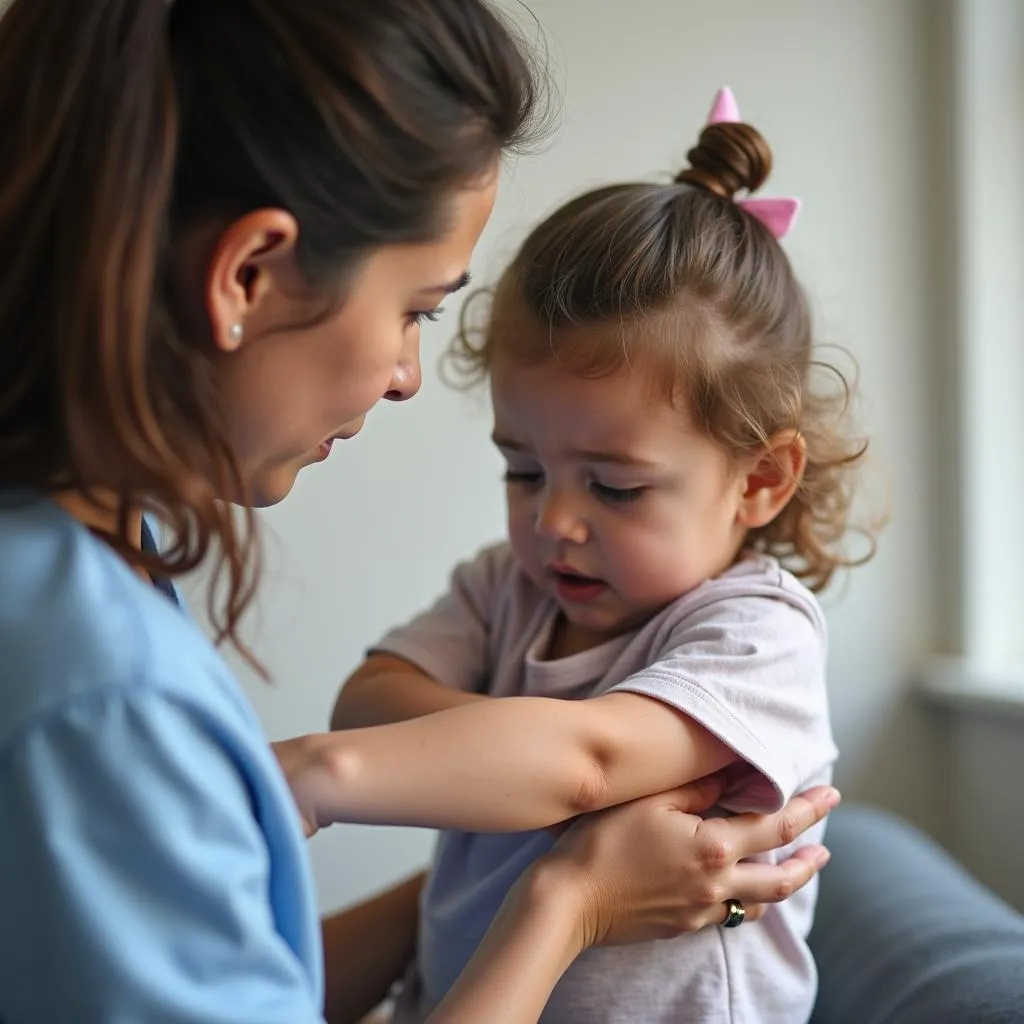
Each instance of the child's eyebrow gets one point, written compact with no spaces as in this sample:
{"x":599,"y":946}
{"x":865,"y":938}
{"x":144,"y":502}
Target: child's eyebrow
{"x":582,"y":454}
{"x":507,"y":443}
{"x":613,"y":457}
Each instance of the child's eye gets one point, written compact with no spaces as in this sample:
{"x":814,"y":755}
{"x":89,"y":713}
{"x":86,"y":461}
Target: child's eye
{"x":531,"y":479}
{"x":432,"y":315}
{"x":617,"y":495}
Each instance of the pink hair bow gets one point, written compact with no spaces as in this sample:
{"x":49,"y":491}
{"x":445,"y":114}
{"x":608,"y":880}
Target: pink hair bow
{"x":777,"y":214}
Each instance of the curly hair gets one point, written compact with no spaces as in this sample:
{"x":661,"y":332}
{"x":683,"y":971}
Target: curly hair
{"x":705,"y":300}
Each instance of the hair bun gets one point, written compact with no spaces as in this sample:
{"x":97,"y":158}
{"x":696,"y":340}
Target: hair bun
{"x":729,"y":156}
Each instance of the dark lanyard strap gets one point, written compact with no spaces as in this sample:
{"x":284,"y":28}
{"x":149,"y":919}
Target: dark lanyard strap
{"x":161,"y":583}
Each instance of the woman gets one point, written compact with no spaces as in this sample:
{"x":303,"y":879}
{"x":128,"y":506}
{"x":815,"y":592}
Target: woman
{"x":221,"y":222}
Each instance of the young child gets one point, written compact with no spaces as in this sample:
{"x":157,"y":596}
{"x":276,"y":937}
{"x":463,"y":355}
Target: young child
{"x":677,"y":490}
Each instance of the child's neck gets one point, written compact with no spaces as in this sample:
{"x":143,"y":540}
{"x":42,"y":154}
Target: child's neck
{"x":568,"y":639}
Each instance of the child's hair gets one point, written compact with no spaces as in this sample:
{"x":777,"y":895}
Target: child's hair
{"x":704,"y":300}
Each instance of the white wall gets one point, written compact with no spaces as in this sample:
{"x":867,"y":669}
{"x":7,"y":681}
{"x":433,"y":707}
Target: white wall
{"x":981,"y":693}
{"x":841,"y":90}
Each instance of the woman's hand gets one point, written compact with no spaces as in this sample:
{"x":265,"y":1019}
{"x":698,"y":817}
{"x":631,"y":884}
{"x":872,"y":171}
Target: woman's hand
{"x":647,"y":870}
{"x":652,"y":869}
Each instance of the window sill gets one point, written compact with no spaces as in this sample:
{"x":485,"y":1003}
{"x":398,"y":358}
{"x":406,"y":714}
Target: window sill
{"x":979,"y":770}
{"x":953,"y":684}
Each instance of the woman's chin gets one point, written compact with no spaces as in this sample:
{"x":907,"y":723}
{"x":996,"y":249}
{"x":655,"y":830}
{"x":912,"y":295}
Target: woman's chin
{"x":272,"y":485}
{"x":274,"y":482}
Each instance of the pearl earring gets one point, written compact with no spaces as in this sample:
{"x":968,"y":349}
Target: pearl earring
{"x":235,"y":332}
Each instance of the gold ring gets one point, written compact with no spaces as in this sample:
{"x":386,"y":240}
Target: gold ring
{"x":734,"y":914}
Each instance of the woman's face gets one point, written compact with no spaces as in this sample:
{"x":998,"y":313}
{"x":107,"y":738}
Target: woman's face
{"x":290,"y":390}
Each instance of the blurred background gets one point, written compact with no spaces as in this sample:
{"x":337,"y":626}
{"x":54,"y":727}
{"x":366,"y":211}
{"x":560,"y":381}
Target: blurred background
{"x":901,"y":125}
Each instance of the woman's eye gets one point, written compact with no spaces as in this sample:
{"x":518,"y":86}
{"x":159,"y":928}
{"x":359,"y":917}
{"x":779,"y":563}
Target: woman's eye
{"x":617,"y":495}
{"x":431,"y":315}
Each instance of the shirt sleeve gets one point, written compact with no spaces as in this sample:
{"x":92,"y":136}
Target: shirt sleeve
{"x":751,"y":670}
{"x":135,"y":877}
{"x":450,"y":641}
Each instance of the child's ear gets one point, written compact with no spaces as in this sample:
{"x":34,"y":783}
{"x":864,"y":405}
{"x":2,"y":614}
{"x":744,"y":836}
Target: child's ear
{"x":772,"y":478}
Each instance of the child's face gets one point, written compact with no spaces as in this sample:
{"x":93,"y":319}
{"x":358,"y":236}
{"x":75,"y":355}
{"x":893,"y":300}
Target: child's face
{"x":616,"y":507}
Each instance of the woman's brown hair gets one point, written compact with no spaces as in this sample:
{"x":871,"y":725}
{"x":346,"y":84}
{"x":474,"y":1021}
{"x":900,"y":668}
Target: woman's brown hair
{"x":125,"y":123}
{"x":707,"y":303}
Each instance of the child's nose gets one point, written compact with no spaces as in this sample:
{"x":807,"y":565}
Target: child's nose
{"x":558,"y":520}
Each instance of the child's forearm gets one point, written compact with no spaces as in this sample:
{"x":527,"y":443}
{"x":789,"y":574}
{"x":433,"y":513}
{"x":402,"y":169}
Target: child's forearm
{"x":507,"y":765}
{"x":385,"y":690}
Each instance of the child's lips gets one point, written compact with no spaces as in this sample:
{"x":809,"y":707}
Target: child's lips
{"x":564,"y":569}
{"x":573,"y":586}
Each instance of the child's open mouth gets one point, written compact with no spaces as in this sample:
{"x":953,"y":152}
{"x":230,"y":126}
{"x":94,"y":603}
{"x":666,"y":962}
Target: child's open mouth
{"x":575,"y":588}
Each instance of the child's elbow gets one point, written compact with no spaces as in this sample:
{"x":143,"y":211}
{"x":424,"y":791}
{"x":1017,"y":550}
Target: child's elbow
{"x":592,"y":787}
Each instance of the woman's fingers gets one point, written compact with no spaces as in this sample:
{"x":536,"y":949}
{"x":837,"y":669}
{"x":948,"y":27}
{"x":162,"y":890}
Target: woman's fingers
{"x":753,"y":882}
{"x":757,"y":885}
{"x":752,"y":912}
{"x":723,"y":841}
{"x":699,"y":795}
{"x":653,"y":868}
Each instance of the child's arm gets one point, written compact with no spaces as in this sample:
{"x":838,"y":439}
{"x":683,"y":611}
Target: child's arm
{"x":510,"y":764}
{"x":749,"y":670}
{"x":439,"y":659}
{"x":386,"y":689}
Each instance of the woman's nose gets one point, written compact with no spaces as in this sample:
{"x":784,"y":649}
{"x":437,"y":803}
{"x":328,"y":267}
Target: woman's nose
{"x":408,"y":376}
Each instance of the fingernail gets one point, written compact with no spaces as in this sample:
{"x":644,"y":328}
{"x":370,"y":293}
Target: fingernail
{"x":833,"y":797}
{"x":823,"y":858}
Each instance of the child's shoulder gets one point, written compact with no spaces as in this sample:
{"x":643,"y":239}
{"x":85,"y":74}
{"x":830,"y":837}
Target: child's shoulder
{"x":496,"y":570}
{"x":762,"y":575}
{"x":756,"y":590}
{"x":488,"y":573}
{"x":494,"y":560}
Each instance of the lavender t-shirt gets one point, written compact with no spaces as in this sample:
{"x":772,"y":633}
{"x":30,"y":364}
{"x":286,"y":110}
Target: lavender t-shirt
{"x":744,"y":655}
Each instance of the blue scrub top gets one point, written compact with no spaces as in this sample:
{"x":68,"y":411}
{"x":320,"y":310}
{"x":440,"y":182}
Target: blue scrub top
{"x":152,"y":862}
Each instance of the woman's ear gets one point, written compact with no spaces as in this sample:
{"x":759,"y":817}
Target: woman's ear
{"x":248,"y":260}
{"x":772,"y":478}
